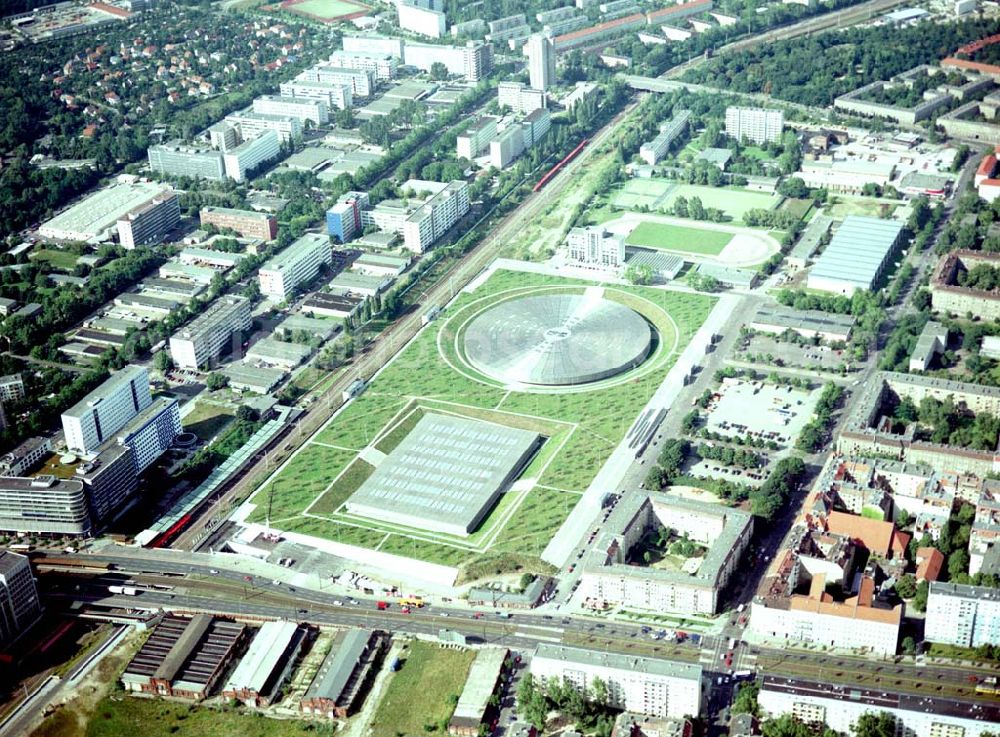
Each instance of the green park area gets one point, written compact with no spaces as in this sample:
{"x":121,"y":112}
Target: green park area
{"x":207,"y":419}
{"x":840,"y":206}
{"x":57,"y":259}
{"x":421,"y":696}
{"x":580,"y":425}
{"x":659,"y":195}
{"x":678,"y":238}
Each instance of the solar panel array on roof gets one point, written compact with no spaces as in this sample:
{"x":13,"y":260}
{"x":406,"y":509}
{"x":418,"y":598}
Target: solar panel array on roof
{"x":856,"y":255}
{"x":445,"y":475}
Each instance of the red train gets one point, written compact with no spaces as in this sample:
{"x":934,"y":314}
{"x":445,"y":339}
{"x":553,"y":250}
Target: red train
{"x":555,"y":169}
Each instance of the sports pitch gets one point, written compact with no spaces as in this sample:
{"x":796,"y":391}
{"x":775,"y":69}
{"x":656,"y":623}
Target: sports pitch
{"x":678,"y":238}
{"x":325,"y":10}
{"x":582,"y":425}
{"x":660,"y":194}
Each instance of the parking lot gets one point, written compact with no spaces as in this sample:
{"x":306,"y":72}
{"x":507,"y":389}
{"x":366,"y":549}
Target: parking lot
{"x":761,"y":411}
{"x":766,"y":350}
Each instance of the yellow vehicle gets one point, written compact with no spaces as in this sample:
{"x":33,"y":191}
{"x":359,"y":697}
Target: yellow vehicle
{"x":411,"y":601}
{"x":988,"y":686}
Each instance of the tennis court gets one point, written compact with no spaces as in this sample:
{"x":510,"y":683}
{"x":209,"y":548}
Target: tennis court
{"x":642,"y":193}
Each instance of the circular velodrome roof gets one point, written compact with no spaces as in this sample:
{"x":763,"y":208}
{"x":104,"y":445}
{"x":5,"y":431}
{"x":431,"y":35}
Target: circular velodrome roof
{"x":556,"y":339}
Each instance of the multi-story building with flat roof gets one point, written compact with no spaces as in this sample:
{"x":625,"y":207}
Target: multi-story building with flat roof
{"x":374,"y":45}
{"x":643,"y":685}
{"x":44,"y":505}
{"x":382,"y":64}
{"x":186,"y":160}
{"x":436,"y":216}
{"x":652,"y":151}
{"x":95,"y":217}
{"x":506,"y":146}
{"x":20,"y":606}
{"x":11,"y":388}
{"x":148,"y":224}
{"x":246,"y":223}
{"x":754,"y":124}
{"x":541,"y":53}
{"x":295,"y":266}
{"x":100,"y":414}
{"x":243,"y":160}
{"x":336,"y":96}
{"x":25,"y":456}
{"x":967,"y":616}
{"x":203,"y":339}
{"x":151,"y":433}
{"x":520,"y":98}
{"x":839,"y":706}
{"x":343,"y":219}
{"x":475,"y":137}
{"x":594,"y":247}
{"x":421,"y":18}
{"x":474,"y":61}
{"x":251,"y":124}
{"x":361,"y":81}
{"x":301,"y":108}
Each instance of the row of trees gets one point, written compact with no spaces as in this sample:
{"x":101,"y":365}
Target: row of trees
{"x":816,"y":432}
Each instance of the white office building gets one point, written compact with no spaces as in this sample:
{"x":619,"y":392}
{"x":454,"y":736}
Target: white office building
{"x":383,"y":65}
{"x":650,"y":686}
{"x":296,"y":265}
{"x":419,"y":17}
{"x":374,"y":45}
{"x":541,"y":53}
{"x":652,"y":151}
{"x":100,"y":414}
{"x":203,"y":339}
{"x":507,"y":146}
{"x":966,"y":616}
{"x":474,"y":61}
{"x":302,"y":109}
{"x":594,"y":247}
{"x":840,"y":706}
{"x":754,"y":124}
{"x":249,"y":155}
{"x":151,"y":433}
{"x":361,"y":81}
{"x":519,"y":98}
{"x":20,"y":605}
{"x":476,"y":137}
{"x":252,"y":124}
{"x":336,"y":96}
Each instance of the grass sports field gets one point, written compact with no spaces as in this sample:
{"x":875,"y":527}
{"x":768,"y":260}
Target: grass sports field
{"x":660,"y":195}
{"x":325,"y":10}
{"x":678,"y":238}
{"x":582,"y":427}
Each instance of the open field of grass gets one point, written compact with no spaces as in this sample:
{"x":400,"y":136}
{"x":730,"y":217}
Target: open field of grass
{"x":158,"y":718}
{"x":421,"y":696}
{"x":637,"y":193}
{"x":733,"y":202}
{"x":326,"y":9}
{"x":678,"y":238}
{"x":581,"y":429}
{"x":62,"y":260}
{"x":207,"y":419}
{"x":841,"y":206}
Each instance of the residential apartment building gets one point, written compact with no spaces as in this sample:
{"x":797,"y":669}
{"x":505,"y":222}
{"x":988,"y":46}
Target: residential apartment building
{"x":20,"y":605}
{"x":383,"y":65}
{"x":436,"y":216}
{"x":840,"y":706}
{"x":252,"y":124}
{"x":246,"y":223}
{"x":186,"y":160}
{"x":593,"y":246}
{"x":11,"y":388}
{"x":295,"y":266}
{"x":652,"y":151}
{"x":343,"y":219}
{"x":755,"y":124}
{"x":541,"y":53}
{"x":203,"y":339}
{"x":419,"y":17}
{"x":149,"y":224}
{"x":520,"y":98}
{"x":374,"y":45}
{"x":243,"y":160}
{"x":643,"y":685}
{"x":475,"y":137}
{"x":361,"y":81}
{"x":474,"y":60}
{"x":334,"y":95}
{"x":967,"y":616}
{"x":302,"y":109}
{"x":104,"y":411}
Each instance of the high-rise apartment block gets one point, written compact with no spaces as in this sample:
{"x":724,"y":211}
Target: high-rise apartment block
{"x":100,"y":414}
{"x":20,"y":605}
{"x":343,"y":219}
{"x":755,"y":124}
{"x":474,"y":61}
{"x":967,"y":616}
{"x":296,"y":265}
{"x":541,"y":53}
